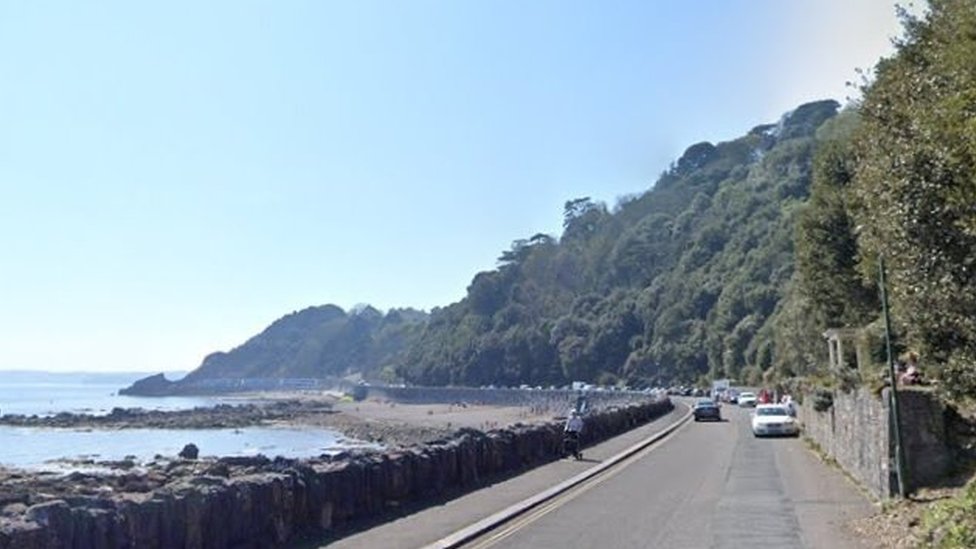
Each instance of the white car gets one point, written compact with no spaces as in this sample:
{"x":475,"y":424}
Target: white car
{"x":774,"y":420}
{"x":747,"y":400}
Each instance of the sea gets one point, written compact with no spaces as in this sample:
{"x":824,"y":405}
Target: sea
{"x":57,"y":449}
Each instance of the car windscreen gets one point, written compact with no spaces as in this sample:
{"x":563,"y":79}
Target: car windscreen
{"x":776,"y":411}
{"x":704,"y":404}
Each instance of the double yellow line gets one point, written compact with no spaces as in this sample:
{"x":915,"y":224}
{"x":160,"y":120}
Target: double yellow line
{"x":504,"y":523}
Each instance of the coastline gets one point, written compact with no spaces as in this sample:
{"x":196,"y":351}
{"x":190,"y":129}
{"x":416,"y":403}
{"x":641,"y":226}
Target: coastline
{"x":374,"y":420}
{"x":273,"y":502}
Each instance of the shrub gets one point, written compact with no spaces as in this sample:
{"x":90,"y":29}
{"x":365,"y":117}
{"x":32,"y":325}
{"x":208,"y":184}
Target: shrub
{"x":952,"y":523}
{"x":822,"y":400}
{"x":959,"y":378}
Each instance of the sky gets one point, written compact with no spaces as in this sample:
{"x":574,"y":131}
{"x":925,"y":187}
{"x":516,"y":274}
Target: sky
{"x":175,"y":176}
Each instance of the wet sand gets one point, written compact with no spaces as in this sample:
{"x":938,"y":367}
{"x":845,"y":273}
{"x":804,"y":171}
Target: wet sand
{"x":396,"y":424}
{"x":373,"y":420}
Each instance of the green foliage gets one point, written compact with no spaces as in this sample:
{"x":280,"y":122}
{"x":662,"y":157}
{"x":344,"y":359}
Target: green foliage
{"x":321,"y":341}
{"x":732,"y":265}
{"x":951,"y":524}
{"x":896,"y":178}
{"x":672,"y":285}
{"x":823,"y":399}
{"x":915,"y":183}
{"x":826,"y":246}
{"x":960,"y":372}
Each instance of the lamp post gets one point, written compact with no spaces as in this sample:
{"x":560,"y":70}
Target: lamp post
{"x":900,"y":469}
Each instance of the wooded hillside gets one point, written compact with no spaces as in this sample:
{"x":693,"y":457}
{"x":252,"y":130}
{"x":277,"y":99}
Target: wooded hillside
{"x":679,"y":282}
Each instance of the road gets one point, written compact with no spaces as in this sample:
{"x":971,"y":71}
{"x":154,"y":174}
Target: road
{"x":707,"y":485}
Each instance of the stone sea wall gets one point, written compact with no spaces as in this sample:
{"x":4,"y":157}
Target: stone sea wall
{"x":856,"y":431}
{"x":158,"y":385}
{"x":551,"y":399}
{"x":257,"y":502}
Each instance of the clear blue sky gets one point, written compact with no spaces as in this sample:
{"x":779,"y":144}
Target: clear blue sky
{"x":176,"y":175}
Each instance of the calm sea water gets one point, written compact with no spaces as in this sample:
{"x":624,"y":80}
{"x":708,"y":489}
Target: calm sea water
{"x":44,"y":393}
{"x":48,"y":393}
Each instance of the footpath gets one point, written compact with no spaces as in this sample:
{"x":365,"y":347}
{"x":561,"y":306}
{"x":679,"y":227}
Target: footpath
{"x":423,"y":527}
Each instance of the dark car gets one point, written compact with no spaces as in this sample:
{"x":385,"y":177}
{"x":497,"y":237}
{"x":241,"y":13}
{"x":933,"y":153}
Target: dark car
{"x":707,"y":409}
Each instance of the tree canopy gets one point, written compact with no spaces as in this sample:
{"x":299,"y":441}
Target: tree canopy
{"x":670,"y":285}
{"x":915,"y":183}
{"x":732,"y":264}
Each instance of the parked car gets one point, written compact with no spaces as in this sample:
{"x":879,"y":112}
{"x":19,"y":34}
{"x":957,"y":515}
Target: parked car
{"x":774,"y":420}
{"x":707,"y":409}
{"x":747,"y":399}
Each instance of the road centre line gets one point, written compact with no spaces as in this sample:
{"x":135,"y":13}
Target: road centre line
{"x":536,"y":502}
{"x":558,"y":501}
{"x":573,"y":492}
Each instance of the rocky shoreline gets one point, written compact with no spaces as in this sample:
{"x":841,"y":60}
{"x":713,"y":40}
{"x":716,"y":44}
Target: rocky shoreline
{"x":218,"y":416}
{"x":257,"y":501}
{"x":317,"y":412}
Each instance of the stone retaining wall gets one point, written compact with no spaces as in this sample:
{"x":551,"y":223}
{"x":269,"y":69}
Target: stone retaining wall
{"x":924,"y":437}
{"x":256,"y":502}
{"x":856,"y":431}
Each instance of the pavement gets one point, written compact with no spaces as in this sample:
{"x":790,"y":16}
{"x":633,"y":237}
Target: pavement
{"x":428,"y":525}
{"x":704,"y":485}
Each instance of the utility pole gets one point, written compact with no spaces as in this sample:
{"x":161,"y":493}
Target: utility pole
{"x":900,"y":469}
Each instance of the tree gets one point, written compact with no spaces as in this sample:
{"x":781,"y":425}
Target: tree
{"x":827,"y":254}
{"x":916,"y":179}
{"x":576,"y":208}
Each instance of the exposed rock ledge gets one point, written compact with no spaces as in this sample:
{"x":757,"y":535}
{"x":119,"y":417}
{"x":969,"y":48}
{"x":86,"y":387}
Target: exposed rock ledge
{"x":315,"y":412}
{"x":259,"y":502}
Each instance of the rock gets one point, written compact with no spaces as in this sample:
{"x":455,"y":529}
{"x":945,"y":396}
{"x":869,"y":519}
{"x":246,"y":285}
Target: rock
{"x":218,"y":469}
{"x":190,"y":451}
{"x":140,"y":486}
{"x":156,"y":385}
{"x":55,"y":518}
{"x":246,"y":461}
{"x":13,"y":509}
{"x":254,"y":501}
{"x":117,"y":412}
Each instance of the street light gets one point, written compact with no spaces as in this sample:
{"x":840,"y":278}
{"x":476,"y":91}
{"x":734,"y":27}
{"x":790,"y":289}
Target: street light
{"x":900,"y":469}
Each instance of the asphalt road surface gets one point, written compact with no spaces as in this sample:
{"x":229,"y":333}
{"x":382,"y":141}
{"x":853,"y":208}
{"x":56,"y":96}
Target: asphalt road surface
{"x":710,"y":485}
{"x":707,"y":485}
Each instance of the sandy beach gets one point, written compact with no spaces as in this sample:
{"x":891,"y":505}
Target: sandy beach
{"x":397,"y":424}
{"x":373,"y":420}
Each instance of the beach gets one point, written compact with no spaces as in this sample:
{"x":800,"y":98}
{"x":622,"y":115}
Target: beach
{"x":366,"y":427}
{"x":363,"y":458}
{"x":392,"y":423}
{"x":290,"y":425}
{"x":371,"y":426}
